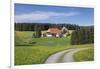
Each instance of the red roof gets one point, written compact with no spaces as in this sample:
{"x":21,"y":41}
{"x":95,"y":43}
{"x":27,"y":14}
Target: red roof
{"x":54,"y":30}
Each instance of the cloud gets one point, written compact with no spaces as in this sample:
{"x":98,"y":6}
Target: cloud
{"x":40,"y":15}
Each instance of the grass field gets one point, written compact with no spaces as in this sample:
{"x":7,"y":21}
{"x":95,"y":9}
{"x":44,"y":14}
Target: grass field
{"x":38,"y":54}
{"x":84,"y":55}
{"x":30,"y":50}
{"x":25,"y":39}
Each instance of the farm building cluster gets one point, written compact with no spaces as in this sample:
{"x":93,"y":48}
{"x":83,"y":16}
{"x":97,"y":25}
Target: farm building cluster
{"x":56,"y":32}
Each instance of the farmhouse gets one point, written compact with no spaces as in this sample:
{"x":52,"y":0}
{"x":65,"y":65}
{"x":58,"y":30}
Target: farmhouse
{"x":55,"y":32}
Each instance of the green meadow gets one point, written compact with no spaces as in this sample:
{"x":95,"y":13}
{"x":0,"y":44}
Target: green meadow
{"x":30,"y":50}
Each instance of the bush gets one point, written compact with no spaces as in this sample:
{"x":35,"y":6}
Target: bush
{"x":83,"y":36}
{"x":37,"y":34}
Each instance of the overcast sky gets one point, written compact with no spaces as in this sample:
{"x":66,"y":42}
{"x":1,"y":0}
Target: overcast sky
{"x":53,"y":14}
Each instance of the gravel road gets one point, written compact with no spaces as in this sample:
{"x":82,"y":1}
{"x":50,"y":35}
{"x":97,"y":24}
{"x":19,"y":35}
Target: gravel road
{"x":67,"y":55}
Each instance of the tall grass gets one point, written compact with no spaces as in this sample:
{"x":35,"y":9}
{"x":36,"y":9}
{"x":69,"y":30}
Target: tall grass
{"x":84,"y":55}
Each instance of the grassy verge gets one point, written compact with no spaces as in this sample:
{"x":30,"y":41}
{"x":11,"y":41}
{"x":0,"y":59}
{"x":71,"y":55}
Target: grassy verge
{"x":84,"y":55}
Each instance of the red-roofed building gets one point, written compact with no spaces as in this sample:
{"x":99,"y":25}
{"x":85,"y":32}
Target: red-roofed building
{"x":55,"y":32}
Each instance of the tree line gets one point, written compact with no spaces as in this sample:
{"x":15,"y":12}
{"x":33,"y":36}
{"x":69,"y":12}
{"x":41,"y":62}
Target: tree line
{"x":83,"y":35}
{"x":42,"y":26}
